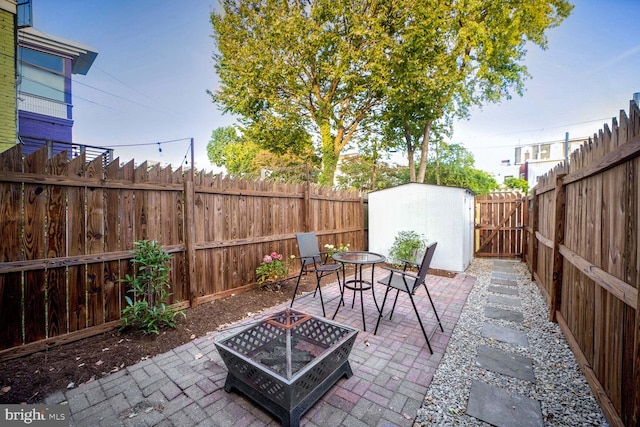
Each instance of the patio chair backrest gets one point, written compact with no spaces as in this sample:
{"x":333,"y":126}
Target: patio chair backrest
{"x":308,"y":247}
{"x":426,"y":262}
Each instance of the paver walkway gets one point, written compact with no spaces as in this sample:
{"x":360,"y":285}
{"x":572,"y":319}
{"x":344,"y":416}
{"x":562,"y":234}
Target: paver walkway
{"x":489,"y":402}
{"x":184,"y":387}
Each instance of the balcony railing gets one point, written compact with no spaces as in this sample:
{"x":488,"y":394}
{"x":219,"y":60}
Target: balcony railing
{"x":39,"y":105}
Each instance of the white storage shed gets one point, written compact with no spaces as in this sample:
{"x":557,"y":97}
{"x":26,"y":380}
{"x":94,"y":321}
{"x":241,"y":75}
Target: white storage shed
{"x":442,"y":214}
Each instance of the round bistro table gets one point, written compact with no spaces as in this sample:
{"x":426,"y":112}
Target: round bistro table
{"x":358,"y":283}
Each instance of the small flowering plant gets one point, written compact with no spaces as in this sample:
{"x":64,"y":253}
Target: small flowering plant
{"x":273,"y":268}
{"x":331,"y":249}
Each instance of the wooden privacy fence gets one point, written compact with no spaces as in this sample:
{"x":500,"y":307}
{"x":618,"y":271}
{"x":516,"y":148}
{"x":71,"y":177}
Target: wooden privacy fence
{"x":68,"y":227}
{"x":582,"y":250}
{"x":499,"y":224}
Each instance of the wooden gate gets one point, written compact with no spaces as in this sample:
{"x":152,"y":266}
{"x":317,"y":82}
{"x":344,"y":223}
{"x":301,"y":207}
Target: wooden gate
{"x":499,"y":221}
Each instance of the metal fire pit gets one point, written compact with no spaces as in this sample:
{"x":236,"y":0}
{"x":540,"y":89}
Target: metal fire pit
{"x":287,"y":362}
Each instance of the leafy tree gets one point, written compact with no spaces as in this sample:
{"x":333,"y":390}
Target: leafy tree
{"x":244,"y":154}
{"x":320,"y":64}
{"x":289,"y":167}
{"x":453,"y":55}
{"x":455,"y":167}
{"x":356,"y":172}
{"x":326,"y":66}
{"x":221,"y":138}
{"x":517,"y":184}
{"x":240,"y":158}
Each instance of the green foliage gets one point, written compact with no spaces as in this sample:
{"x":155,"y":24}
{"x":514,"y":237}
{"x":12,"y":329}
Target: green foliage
{"x":454,"y":55}
{"x":273,"y":268}
{"x":221,"y":139}
{"x":321,"y":69}
{"x":147,"y":310}
{"x":517,"y":184}
{"x":453,"y":166}
{"x":227,"y":148}
{"x":408,"y":245}
{"x":481,"y":182}
{"x":356,"y":172}
{"x":245,"y":155}
{"x":321,"y":65}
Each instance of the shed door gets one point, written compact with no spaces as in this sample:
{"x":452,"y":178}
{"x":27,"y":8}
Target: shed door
{"x":499,"y":221}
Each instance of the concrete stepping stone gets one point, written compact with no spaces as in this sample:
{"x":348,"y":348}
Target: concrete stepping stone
{"x":499,"y":299}
{"x":504,"y":290}
{"x":504,"y":282}
{"x":504,"y":263}
{"x":505,"y":363}
{"x":495,"y":406}
{"x":503,"y":268}
{"x":501,"y":275}
{"x":502,"y":314}
{"x":504,"y":334}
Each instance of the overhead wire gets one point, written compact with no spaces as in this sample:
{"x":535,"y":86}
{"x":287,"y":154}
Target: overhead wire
{"x":487,"y":147}
{"x":113,"y":94}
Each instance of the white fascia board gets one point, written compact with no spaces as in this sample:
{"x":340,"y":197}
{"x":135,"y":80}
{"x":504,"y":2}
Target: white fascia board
{"x":70,"y":49}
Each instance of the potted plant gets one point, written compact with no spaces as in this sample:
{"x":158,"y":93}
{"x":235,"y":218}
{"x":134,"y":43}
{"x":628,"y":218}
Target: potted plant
{"x":409,"y":246}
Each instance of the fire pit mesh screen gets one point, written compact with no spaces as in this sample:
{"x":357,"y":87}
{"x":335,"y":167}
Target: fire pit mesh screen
{"x":266,"y":344}
{"x":254,"y":338}
{"x":315,"y":349}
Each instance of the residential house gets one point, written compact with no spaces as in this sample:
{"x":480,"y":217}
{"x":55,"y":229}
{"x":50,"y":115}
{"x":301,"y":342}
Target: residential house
{"x":7,"y":74}
{"x":535,"y":160}
{"x":45,"y":66}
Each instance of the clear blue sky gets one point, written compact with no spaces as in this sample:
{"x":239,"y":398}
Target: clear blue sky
{"x":154,"y":65}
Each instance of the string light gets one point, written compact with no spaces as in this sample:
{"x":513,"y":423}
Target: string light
{"x":148,"y":143}
{"x":184,"y":160}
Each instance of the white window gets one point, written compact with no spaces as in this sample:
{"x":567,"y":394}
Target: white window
{"x":42,"y":74}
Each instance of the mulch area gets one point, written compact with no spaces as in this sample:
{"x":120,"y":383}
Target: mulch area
{"x":30,"y":379}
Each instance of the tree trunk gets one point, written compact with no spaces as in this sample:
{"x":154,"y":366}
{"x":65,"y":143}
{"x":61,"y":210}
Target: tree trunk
{"x":424,"y":151}
{"x":329,"y":156}
{"x":410,"y":151}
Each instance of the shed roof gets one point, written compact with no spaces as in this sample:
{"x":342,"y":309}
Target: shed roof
{"x":425,"y":185}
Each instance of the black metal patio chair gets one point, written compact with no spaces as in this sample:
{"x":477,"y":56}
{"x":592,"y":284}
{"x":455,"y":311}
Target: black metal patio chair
{"x":314,"y":261}
{"x":408,"y":282}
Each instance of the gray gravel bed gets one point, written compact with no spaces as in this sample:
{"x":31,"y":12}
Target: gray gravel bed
{"x":560,"y":387}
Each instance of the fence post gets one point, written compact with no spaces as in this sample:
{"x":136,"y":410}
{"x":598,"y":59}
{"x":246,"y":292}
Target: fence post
{"x":635,"y":410}
{"x":558,"y":239}
{"x":306,"y":211}
{"x":190,"y":240}
{"x":534,"y":230}
{"x":524,"y":253}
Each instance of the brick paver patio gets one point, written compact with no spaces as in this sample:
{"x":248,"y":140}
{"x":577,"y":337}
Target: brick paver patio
{"x":392,"y":371}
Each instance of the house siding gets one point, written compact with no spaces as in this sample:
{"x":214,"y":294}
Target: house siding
{"x":7,"y":81}
{"x":44,"y":127}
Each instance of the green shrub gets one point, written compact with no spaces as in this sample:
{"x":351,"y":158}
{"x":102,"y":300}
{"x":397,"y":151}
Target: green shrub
{"x":147,"y":310}
{"x":273,"y":268}
{"x":408,"y":245}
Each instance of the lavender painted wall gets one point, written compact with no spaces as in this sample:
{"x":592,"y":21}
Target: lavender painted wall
{"x":44,"y":127}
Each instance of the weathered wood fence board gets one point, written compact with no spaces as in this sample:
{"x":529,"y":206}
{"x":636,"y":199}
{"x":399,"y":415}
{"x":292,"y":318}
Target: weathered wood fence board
{"x":583,"y":225}
{"x":11,"y":195}
{"x":68,"y":227}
